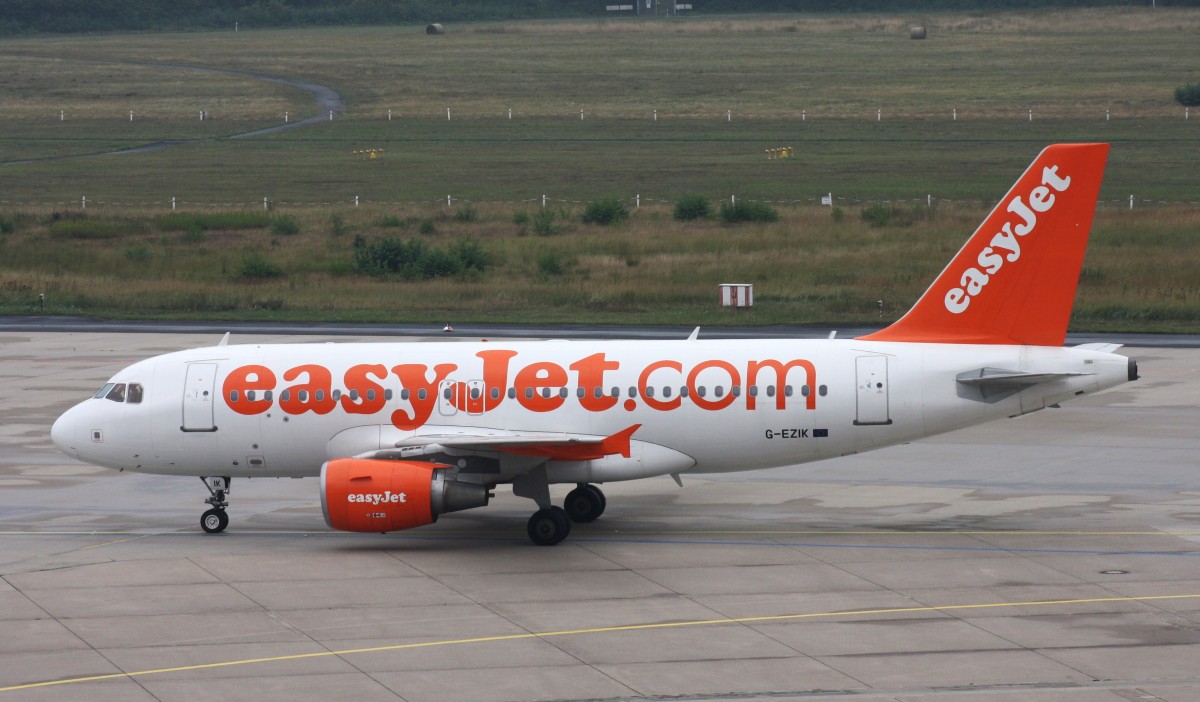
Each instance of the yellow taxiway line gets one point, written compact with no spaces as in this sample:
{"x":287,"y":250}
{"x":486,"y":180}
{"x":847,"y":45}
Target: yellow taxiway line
{"x":597,"y":630}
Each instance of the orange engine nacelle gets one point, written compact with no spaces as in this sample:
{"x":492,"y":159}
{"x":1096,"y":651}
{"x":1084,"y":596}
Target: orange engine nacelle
{"x":359,"y":494}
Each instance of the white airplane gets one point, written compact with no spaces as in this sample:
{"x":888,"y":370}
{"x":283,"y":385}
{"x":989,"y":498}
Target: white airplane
{"x":401,"y":433}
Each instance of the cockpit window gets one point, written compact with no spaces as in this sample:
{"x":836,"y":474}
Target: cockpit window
{"x":117,"y":394}
{"x":134,"y":394}
{"x":103,"y":392}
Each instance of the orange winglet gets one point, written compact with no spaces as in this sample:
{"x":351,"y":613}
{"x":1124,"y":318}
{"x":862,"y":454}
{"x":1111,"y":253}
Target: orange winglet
{"x":582,"y":451}
{"x":1014,"y":281}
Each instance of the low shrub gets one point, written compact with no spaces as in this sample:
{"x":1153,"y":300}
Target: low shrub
{"x":414,"y":259}
{"x":690,"y":207}
{"x":285,"y":225}
{"x":605,"y":212}
{"x":93,"y":229}
{"x":256,"y":266}
{"x":544,"y":223}
{"x":747,"y":211}
{"x":466,"y":213}
{"x":205,"y":221}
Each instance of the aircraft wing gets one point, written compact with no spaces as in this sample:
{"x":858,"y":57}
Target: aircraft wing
{"x":551,"y":446}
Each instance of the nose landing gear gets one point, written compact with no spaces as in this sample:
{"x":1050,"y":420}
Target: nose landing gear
{"x":215,"y":520}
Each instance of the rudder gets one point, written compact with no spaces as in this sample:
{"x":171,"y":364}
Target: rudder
{"x":1014,"y":280}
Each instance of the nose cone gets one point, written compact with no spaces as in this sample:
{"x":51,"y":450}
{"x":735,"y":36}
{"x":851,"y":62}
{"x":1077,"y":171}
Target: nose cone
{"x":66,"y":431}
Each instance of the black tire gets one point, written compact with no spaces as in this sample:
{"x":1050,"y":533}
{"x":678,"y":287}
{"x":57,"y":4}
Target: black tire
{"x":603,"y":499}
{"x":548,"y":527}
{"x":214,"y":521}
{"x":584,"y":504}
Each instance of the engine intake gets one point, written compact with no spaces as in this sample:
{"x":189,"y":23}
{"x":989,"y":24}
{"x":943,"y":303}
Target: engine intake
{"x":370,"y":495}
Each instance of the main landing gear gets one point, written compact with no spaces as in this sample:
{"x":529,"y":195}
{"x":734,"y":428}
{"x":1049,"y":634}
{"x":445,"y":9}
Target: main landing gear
{"x":550,"y":525}
{"x":215,"y":520}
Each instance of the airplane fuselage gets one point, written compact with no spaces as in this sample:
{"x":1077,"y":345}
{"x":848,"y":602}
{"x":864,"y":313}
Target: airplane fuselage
{"x":704,"y":406}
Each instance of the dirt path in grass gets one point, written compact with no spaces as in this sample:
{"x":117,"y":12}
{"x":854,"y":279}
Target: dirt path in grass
{"x":328,"y":99}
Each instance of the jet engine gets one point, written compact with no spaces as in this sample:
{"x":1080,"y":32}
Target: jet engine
{"x":359,"y":494}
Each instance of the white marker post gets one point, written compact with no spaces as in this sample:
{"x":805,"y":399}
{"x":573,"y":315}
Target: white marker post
{"x":728,"y":115}
{"x":62,"y":115}
{"x":83,"y":203}
{"x":803,"y":116}
{"x":285,"y":118}
{"x":581,"y":115}
{"x":172,"y":204}
{"x":1106,"y":116}
{"x":954,"y":115}
{"x":543,"y":202}
{"x":356,"y":201}
{"x":266,"y":204}
{"x":637,"y":201}
{"x":510,"y":114}
{"x":389,"y":115}
{"x":656,"y":115}
{"x":1031,"y":115}
{"x":131,"y":115}
{"x":1131,"y":202}
{"x":878,"y":115}
{"x":331,"y":115}
{"x":447,"y":114}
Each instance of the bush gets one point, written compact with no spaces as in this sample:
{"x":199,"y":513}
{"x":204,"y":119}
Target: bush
{"x":605,"y":212}
{"x":427,"y":227}
{"x":690,"y":207}
{"x":190,"y":221}
{"x":520,"y":218}
{"x":255,"y":266}
{"x":746,"y":211}
{"x":1188,"y":95}
{"x":93,"y":229}
{"x":414,"y":259}
{"x":543,"y":222}
{"x":285,"y":225}
{"x":551,"y":263}
{"x":466,"y":213}
{"x":887,"y":216}
{"x":877,"y":215}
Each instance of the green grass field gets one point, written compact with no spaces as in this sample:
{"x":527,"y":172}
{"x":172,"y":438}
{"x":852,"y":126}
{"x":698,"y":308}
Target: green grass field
{"x":724,"y":90}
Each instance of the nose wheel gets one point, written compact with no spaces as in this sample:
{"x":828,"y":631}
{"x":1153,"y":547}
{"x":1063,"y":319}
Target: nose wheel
{"x":215,"y":520}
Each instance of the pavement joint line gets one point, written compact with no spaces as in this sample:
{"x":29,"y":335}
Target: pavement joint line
{"x":595,"y":630}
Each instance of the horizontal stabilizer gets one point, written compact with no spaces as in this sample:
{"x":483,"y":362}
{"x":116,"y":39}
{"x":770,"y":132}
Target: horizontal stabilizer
{"x":994,"y":384}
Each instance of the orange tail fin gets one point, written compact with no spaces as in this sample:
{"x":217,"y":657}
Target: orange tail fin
{"x":1014,"y":280}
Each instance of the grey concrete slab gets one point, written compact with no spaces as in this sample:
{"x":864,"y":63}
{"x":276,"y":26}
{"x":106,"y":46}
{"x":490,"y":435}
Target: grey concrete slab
{"x":474,"y":684}
{"x":970,"y":535}
{"x":899,"y":670}
{"x":751,"y":677}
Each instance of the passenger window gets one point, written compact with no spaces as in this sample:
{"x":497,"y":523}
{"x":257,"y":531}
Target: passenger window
{"x":354,"y":396}
{"x":649,"y":391}
{"x":616,"y":391}
{"x":404,"y":394}
{"x":598,"y":392}
{"x":302,"y":396}
{"x":562,"y":392}
{"x":103,"y":391}
{"x":787,"y":391}
{"x":447,"y":393}
{"x":822,"y":390}
{"x":495,"y":393}
{"x":421,"y":394}
{"x":546,"y":393}
{"x":134,"y":396}
{"x":753,"y":391}
{"x":683,"y":391}
{"x":667,"y":391}
{"x":387,"y":394}
{"x":336,"y":395}
{"x":719,"y":391}
{"x":233,"y":395}
{"x":528,"y":393}
{"x":319,"y":395}
{"x":632,"y":391}
{"x":804,"y":391}
{"x":268,"y":395}
{"x":736,"y":390}
{"x":250,"y":395}
{"x":371,"y":395}
{"x":701,"y":391}
{"x":285,"y":396}
{"x":580,"y":392}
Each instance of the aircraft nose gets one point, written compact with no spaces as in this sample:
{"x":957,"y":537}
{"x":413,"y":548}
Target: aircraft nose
{"x":65,"y":432}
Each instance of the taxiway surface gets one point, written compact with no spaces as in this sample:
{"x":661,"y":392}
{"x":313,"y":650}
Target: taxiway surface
{"x":1050,"y":557}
